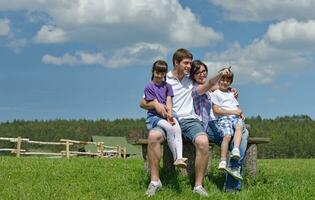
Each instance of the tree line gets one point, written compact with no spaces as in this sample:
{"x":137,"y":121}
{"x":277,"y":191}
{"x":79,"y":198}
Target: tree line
{"x":291,"y":136}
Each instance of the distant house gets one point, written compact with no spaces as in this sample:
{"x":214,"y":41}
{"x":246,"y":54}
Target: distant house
{"x":132,"y":150}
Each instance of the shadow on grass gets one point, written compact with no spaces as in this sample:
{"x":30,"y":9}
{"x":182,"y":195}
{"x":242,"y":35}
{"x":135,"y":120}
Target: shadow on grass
{"x":170,"y":179}
{"x":217,"y":179}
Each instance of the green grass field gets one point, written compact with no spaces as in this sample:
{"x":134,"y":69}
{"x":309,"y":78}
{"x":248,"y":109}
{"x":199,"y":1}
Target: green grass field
{"x":87,"y":178}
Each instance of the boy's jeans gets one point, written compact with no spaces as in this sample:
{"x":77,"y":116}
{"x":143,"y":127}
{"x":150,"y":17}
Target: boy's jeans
{"x":216,"y":135}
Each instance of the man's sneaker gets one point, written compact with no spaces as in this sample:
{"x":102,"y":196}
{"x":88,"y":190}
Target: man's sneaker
{"x":236,"y":173}
{"x":236,"y":154}
{"x":180,"y":163}
{"x":201,"y":191}
{"x":222,"y":165}
{"x":152,"y":189}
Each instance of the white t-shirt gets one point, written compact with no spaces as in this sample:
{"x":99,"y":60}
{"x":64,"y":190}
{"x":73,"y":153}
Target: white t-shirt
{"x":182,"y":100}
{"x":225,"y":100}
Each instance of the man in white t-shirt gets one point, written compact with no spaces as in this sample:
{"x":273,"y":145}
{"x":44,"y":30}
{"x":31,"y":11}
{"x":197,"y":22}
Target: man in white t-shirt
{"x":192,"y":128}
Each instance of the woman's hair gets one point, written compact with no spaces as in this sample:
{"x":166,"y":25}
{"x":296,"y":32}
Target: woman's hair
{"x":229,"y":76}
{"x":159,"y":66}
{"x":195,"y":66}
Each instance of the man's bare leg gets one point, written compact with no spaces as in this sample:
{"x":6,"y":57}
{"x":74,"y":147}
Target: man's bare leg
{"x":154,"y":153}
{"x":202,"y":157}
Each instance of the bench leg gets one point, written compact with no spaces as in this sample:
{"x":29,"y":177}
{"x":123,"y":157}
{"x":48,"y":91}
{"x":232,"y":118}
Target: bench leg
{"x":210,"y":159}
{"x":145,"y":158}
{"x":251,"y":160}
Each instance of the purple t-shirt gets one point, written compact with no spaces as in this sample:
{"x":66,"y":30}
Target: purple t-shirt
{"x":159,"y":92}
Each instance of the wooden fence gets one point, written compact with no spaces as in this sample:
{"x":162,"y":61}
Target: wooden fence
{"x":102,"y":150}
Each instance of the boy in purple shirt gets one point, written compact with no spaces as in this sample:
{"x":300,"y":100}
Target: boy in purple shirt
{"x":162,"y":92}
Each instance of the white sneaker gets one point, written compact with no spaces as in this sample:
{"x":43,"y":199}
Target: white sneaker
{"x":235,"y":154}
{"x":152,"y":189}
{"x":222,"y":165}
{"x":201,"y":191}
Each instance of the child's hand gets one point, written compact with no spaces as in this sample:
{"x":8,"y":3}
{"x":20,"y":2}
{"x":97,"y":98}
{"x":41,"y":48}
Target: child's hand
{"x":171,"y":121}
{"x":238,"y":112}
{"x":161,"y":109}
{"x":235,"y":92}
{"x":242,"y":116}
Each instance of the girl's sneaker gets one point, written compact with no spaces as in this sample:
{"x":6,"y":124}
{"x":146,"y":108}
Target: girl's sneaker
{"x":222,"y":165}
{"x":180,"y":163}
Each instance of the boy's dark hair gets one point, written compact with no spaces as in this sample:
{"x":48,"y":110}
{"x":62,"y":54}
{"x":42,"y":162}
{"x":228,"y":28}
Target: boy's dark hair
{"x":181,"y":54}
{"x":159,"y":66}
{"x":229,"y":76}
{"x":195,"y":66}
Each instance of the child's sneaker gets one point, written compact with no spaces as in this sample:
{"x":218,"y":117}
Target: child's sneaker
{"x":222,"y":165}
{"x":235,"y":154}
{"x":180,"y":163}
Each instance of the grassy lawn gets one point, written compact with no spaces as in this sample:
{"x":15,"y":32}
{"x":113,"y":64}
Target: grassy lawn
{"x":87,"y":178}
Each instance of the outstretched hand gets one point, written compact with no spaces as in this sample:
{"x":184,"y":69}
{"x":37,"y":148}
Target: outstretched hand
{"x":226,"y":71}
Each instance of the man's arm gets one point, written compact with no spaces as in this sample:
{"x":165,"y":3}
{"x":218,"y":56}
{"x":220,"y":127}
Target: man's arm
{"x":212,"y":83}
{"x":147,"y":105}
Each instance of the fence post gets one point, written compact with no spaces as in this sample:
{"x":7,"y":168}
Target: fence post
{"x":18,"y":146}
{"x":118,"y":152}
{"x":67,"y":149}
{"x":125,"y":152}
{"x":101,"y":145}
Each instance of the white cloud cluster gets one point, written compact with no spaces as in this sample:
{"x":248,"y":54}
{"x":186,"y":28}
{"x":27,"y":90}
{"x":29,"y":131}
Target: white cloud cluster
{"x":249,"y":10}
{"x":4,"y":27}
{"x":138,"y":54}
{"x":122,"y":23}
{"x":66,"y":59}
{"x":292,"y":33}
{"x":10,"y":41}
{"x":273,"y":54}
{"x":115,"y":26}
{"x":50,"y":34}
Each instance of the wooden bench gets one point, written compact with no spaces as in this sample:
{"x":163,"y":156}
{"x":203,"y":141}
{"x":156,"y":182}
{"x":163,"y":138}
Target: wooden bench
{"x":189,"y":152}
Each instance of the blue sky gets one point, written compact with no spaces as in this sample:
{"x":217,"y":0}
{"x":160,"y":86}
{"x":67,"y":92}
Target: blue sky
{"x":92,"y":58}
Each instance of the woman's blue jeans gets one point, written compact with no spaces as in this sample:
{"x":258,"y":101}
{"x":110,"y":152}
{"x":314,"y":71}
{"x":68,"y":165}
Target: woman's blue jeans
{"x":216,"y":135}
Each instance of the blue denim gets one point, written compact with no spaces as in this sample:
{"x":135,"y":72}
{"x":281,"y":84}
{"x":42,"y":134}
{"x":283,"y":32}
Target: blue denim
{"x":152,"y":121}
{"x":191,"y":128}
{"x":216,"y":135}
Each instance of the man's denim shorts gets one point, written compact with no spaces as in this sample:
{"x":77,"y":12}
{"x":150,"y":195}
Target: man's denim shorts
{"x":191,"y":128}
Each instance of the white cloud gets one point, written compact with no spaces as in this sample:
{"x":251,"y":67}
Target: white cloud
{"x":4,"y":27}
{"x":66,"y":59}
{"x":140,"y":53}
{"x":292,"y":32}
{"x":266,"y":58}
{"x":118,"y":23}
{"x":249,"y":10}
{"x":17,"y":45}
{"x":50,"y":34}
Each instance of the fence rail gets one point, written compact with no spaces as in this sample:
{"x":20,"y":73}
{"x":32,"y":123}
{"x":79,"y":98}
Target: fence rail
{"x":102,"y":149}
